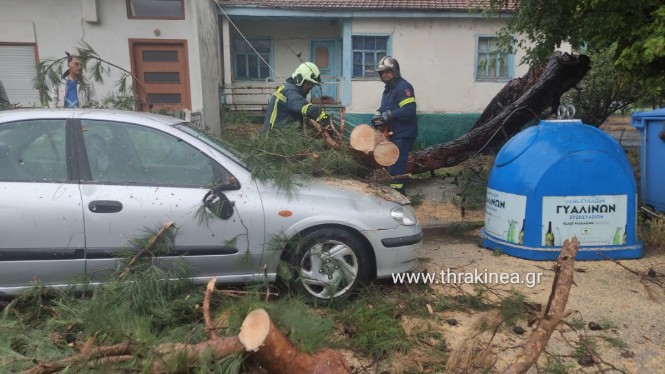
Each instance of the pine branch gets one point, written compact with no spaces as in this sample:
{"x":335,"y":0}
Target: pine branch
{"x":210,"y":329}
{"x":148,"y":247}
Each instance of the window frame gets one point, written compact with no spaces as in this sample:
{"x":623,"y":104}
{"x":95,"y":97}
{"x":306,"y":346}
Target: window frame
{"x":388,"y":52}
{"x":131,"y":16}
{"x":510,"y":57}
{"x":234,"y":54}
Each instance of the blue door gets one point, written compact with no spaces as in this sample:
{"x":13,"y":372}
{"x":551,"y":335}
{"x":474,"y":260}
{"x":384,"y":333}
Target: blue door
{"x":325,"y":54}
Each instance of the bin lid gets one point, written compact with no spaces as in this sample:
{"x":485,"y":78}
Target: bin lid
{"x":637,"y":119}
{"x":516,"y":146}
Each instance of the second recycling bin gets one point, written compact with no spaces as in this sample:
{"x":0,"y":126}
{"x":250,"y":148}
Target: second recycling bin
{"x":651,"y":126}
{"x":558,"y":179}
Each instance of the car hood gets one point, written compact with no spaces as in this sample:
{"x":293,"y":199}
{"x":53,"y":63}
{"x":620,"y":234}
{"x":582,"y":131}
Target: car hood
{"x":365,"y":188}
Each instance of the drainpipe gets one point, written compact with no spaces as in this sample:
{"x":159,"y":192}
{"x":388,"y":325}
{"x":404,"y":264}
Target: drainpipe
{"x":226,"y":52}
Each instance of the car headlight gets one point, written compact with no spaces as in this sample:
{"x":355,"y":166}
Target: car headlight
{"x":404,"y":215}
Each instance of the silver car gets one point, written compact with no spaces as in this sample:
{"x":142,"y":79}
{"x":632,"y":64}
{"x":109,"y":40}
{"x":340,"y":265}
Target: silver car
{"x":77,"y":185}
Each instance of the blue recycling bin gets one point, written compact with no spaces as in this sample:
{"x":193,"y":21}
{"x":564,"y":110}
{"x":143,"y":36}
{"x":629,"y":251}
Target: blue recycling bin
{"x":651,"y":126}
{"x":558,"y":179}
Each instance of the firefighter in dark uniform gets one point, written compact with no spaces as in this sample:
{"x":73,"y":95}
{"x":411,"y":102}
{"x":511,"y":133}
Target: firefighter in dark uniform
{"x":398,"y":114}
{"x":288,"y":103}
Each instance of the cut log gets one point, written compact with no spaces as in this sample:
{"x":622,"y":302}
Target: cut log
{"x":505,"y":117}
{"x":386,"y":153}
{"x":362,"y":138}
{"x":379,"y":150}
{"x":271,"y":348}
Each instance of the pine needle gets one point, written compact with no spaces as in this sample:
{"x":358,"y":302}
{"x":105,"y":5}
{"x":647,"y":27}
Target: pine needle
{"x":288,"y":156}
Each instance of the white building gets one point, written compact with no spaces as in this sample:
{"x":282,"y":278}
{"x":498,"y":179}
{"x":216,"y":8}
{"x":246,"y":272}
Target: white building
{"x":189,"y":54}
{"x":171,"y":46}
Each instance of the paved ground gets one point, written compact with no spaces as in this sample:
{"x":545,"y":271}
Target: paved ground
{"x":626,"y":138}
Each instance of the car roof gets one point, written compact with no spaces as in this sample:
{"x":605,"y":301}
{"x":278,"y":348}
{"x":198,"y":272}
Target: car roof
{"x":98,"y":114}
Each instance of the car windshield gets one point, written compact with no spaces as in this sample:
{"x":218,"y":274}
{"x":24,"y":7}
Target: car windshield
{"x":217,"y":143}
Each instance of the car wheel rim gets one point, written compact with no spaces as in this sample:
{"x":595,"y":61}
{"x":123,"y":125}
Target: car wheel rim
{"x":328,"y":269}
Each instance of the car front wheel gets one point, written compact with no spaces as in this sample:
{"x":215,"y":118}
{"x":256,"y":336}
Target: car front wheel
{"x":329,"y":264}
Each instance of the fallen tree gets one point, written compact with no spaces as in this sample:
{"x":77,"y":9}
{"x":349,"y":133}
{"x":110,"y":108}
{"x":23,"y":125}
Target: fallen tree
{"x":520,"y":101}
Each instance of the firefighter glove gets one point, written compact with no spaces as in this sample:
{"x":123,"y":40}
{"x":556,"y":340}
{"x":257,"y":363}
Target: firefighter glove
{"x":386,"y":115}
{"x":324,"y":119}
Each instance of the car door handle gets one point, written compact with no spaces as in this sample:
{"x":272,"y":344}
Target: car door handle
{"x":105,"y":206}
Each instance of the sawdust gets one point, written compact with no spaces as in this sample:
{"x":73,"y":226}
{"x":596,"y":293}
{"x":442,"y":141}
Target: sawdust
{"x":431,"y":214}
{"x":376,"y":189}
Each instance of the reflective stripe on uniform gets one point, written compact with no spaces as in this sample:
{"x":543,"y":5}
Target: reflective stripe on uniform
{"x":322,"y":116}
{"x":280,"y":97}
{"x":303,"y":111}
{"x":397,"y":185}
{"x":408,"y":100}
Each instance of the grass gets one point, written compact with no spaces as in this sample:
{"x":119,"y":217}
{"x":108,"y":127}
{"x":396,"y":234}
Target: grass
{"x":556,"y":365}
{"x":147,"y":312}
{"x":652,"y":232}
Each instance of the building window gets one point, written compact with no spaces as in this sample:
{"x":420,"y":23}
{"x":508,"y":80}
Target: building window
{"x":247,"y":64}
{"x":367,"y":52}
{"x":492,"y":64}
{"x":160,"y":9}
{"x":18,"y":72}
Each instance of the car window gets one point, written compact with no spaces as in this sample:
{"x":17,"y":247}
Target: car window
{"x":217,"y":143}
{"x":127,"y":153}
{"x":33,"y":150}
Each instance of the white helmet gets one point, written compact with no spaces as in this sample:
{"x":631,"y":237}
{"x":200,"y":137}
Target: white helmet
{"x":307,"y":71}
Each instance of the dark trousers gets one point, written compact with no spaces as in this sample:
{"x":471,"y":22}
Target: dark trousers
{"x":399,"y":168}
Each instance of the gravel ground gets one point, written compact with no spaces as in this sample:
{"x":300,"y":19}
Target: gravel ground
{"x":631,"y":310}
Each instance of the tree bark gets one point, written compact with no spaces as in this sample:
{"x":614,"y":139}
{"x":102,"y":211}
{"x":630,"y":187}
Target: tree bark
{"x":507,"y":112}
{"x":554,"y":312}
{"x":275,"y":352}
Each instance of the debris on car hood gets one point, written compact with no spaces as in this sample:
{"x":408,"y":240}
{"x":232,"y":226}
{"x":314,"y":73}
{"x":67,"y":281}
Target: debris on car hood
{"x":376,"y":189}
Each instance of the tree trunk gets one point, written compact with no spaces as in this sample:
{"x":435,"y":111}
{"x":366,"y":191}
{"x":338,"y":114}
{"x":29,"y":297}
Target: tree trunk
{"x":521,"y":101}
{"x":277,"y":354}
{"x":374,"y":147}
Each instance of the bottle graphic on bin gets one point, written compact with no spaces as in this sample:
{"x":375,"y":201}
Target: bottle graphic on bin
{"x":549,"y":236}
{"x":510,"y":237}
{"x":618,"y":238}
{"x":520,"y":237}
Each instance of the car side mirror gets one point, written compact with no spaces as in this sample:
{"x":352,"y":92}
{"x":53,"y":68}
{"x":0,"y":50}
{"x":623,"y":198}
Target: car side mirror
{"x":218,"y":204}
{"x":224,"y":181}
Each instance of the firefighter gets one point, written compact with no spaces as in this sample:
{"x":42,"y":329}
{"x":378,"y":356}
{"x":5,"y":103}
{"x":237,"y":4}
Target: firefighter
{"x":397,"y":115}
{"x":288,"y":103}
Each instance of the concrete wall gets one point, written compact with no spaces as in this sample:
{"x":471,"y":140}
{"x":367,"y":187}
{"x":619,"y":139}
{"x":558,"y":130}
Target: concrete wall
{"x":208,"y":56}
{"x":58,"y":26}
{"x":437,"y":56}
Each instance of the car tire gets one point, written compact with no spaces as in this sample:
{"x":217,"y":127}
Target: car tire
{"x":328,"y":264}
